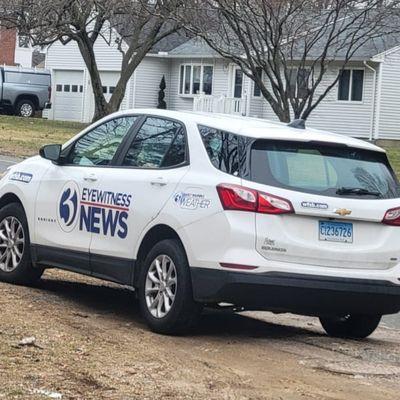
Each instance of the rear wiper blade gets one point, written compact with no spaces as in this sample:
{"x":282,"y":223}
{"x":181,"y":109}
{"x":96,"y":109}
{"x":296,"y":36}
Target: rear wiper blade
{"x":357,"y":191}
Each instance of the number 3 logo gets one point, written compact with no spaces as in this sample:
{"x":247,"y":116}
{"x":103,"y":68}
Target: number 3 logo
{"x":67,"y":207}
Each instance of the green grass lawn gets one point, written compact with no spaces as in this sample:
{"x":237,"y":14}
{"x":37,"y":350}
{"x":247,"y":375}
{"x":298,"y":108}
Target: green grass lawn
{"x":394,"y":157}
{"x":22,"y":137}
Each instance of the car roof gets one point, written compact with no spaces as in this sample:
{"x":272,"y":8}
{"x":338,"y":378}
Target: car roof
{"x":257,"y":128}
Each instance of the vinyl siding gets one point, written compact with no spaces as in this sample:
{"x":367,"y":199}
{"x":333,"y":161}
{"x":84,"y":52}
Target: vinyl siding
{"x":389,"y":116}
{"x":220,"y":82}
{"x":343,"y":117}
{"x":68,"y":56}
{"x":148,"y":76}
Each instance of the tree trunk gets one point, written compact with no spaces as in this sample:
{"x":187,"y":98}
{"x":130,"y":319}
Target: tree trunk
{"x":101,"y":106}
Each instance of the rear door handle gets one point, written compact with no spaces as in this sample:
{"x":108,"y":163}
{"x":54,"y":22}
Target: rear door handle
{"x":160,"y":181}
{"x":90,"y":178}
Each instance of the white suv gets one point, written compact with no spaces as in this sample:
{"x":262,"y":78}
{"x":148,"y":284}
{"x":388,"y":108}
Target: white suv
{"x":195,"y":209}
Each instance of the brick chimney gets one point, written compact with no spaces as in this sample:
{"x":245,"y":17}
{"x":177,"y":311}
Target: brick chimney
{"x":8,"y":39}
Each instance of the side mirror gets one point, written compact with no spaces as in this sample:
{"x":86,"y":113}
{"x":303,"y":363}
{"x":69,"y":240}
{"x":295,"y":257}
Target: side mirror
{"x":51,"y":152}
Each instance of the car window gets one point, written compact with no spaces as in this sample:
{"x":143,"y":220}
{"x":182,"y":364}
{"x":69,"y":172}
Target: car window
{"x":27,"y":78}
{"x":98,"y":147}
{"x":159,"y":143}
{"x":322,"y":168}
{"x":222,"y":149}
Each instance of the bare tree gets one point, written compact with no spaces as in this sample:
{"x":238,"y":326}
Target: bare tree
{"x":132,"y":26}
{"x":292,"y":43}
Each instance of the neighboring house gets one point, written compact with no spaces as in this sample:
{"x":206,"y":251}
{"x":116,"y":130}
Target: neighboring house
{"x":364,"y":104}
{"x":16,"y":50}
{"x":8,"y":39}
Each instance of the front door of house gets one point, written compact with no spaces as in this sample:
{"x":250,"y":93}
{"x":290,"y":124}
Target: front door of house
{"x":236,"y":86}
{"x":236,"y":91}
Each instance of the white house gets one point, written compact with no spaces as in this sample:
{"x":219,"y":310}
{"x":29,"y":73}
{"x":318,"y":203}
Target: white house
{"x":365,"y":103}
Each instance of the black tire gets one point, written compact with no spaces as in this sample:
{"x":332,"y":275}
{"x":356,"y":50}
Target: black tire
{"x":184,"y":311}
{"x":350,"y":326}
{"x":25,"y":273}
{"x":25,"y":108}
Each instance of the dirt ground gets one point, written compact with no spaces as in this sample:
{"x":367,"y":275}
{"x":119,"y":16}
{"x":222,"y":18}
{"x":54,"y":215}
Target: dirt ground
{"x":91,"y":343}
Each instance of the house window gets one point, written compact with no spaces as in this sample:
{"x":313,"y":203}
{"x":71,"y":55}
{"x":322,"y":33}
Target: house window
{"x":74,"y":88}
{"x":105,"y":89}
{"x":59,"y":88}
{"x":257,"y":90}
{"x":111,"y":89}
{"x":67,"y":88}
{"x":195,"y":79}
{"x":298,"y":82}
{"x":351,"y":84}
{"x":80,"y":88}
{"x":23,"y":41}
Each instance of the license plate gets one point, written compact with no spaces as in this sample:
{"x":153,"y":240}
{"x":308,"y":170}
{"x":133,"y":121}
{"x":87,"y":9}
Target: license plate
{"x":336,"y":231}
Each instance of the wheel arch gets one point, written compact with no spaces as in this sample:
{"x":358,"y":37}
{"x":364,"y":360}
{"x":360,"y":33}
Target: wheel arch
{"x":154,"y":235}
{"x":8,"y":198}
{"x":31,"y":97}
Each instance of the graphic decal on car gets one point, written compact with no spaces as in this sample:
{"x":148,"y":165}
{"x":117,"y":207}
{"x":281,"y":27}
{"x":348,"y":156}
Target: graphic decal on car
{"x":68,"y":207}
{"x":98,"y":211}
{"x":271,"y":245}
{"x":21,"y":177}
{"x":191,"y":201}
{"x":312,"y":204}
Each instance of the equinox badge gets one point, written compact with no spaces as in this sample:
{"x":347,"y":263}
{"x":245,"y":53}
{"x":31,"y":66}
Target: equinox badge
{"x":342,"y":212}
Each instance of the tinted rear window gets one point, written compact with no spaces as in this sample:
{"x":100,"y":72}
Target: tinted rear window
{"x":322,"y":169}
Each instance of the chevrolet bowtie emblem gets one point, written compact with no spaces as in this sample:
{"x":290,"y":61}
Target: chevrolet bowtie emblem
{"x":342,"y":212}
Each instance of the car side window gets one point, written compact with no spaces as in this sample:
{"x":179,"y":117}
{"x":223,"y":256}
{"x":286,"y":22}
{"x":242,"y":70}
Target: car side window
{"x":159,"y":143}
{"x":98,"y":147}
{"x":222,"y":149}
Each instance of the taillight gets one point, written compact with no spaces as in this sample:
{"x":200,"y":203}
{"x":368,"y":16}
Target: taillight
{"x":269,"y":204}
{"x":49,"y":90}
{"x":392,"y":217}
{"x":235,"y":197}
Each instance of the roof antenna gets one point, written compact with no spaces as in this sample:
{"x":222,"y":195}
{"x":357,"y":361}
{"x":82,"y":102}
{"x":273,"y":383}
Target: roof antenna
{"x":298,"y":124}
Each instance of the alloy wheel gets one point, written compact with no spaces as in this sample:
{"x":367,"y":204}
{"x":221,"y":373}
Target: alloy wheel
{"x":12,"y":242}
{"x":26,"y":110}
{"x":160,"y":286}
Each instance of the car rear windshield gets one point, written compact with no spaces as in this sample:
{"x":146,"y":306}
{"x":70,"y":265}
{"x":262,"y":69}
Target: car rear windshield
{"x":329,"y":170}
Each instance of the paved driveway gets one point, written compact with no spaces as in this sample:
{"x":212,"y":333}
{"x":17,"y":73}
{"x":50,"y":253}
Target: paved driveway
{"x":6,"y":161}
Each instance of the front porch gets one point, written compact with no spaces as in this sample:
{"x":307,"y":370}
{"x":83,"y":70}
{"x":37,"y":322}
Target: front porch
{"x":220,"y":104}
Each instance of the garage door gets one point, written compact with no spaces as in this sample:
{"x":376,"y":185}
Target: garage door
{"x":68,"y":97}
{"x":109,"y":82}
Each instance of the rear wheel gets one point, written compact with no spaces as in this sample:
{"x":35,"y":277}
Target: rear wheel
{"x":351,"y":326}
{"x":15,"y":257}
{"x":165,"y":289}
{"x":25,"y":108}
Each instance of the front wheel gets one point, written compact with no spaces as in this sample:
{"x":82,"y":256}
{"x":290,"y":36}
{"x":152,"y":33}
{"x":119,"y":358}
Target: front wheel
{"x":351,"y":326}
{"x":15,"y":257}
{"x":165,"y":289}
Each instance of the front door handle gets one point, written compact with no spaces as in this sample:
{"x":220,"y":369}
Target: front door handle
{"x":160,"y":181}
{"x":90,"y":178}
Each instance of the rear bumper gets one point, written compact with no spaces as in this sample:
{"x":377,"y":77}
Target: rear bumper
{"x":47,"y":106}
{"x":297,"y":293}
